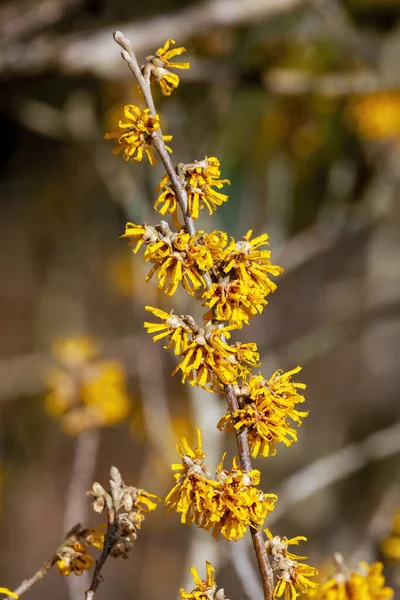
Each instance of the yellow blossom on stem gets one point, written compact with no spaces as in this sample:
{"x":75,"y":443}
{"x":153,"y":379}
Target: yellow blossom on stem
{"x":226,"y":504}
{"x":199,"y":180}
{"x":84,"y":392}
{"x":176,"y":257}
{"x":243,"y":278}
{"x":73,"y":555}
{"x":292,"y":576}
{"x":136,"y":134}
{"x":268,"y":411}
{"x":207,"y":360}
{"x":205,"y":589}
{"x":158,"y":65}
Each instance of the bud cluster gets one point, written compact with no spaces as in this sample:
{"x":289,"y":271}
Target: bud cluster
{"x":125,"y":506}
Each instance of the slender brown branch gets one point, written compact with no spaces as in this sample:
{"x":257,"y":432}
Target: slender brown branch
{"x":28,"y":583}
{"x":108,"y":544}
{"x":129,"y":56}
{"x":241,"y":436}
{"x":245,"y":461}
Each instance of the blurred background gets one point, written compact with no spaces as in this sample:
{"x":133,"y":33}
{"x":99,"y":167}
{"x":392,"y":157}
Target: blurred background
{"x":300,"y":101}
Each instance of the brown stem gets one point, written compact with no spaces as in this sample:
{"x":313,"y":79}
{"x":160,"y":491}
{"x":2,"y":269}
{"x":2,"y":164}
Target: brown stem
{"x":256,"y":535}
{"x":108,"y":544}
{"x":28,"y":583}
{"x":241,"y":436}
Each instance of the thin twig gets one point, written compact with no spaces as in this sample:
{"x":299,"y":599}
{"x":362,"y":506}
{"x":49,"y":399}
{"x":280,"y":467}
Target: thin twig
{"x":241,"y":436}
{"x":28,"y":583}
{"x":108,"y":544}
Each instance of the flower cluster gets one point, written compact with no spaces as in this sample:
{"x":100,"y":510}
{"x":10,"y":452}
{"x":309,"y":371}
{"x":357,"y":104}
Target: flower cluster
{"x":241,"y":270}
{"x":73,"y":555}
{"x":226,"y":504}
{"x":206,"y":589}
{"x":128,"y":506}
{"x":267,"y":411}
{"x":85,"y":393}
{"x":366,"y":583}
{"x":390,"y":546}
{"x":158,"y":66}
{"x":376,"y":116}
{"x":137,"y":134}
{"x":176,"y":257}
{"x":293,"y":576}
{"x":198,"y":179}
{"x":207,"y":360}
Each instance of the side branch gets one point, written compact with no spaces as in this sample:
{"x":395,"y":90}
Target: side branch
{"x":44,"y":569}
{"x":108,"y":544}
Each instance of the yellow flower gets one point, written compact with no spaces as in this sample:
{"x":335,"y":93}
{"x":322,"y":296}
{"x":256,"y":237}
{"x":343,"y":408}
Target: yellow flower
{"x":376,"y":116}
{"x":226,"y":504}
{"x":293,"y":577}
{"x":73,"y":555}
{"x":85,"y":393}
{"x":137,"y":134}
{"x":8,"y":592}
{"x":177,"y":258}
{"x":157,"y":66}
{"x":74,"y":559}
{"x":245,"y":269}
{"x":268,"y":412}
{"x":199,"y":180}
{"x":295,"y":581}
{"x":368,"y":583}
{"x":207,"y":360}
{"x":205,"y":589}
{"x":390,"y":546}
{"x":246,"y":504}
{"x":193,"y":483}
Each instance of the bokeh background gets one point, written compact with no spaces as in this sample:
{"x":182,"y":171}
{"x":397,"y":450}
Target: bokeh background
{"x":300,"y":101}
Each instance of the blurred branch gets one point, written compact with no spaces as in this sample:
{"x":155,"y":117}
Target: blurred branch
{"x":336,"y":467}
{"x":18,"y":19}
{"x":28,"y":583}
{"x":90,"y":52}
{"x":293,"y":83}
{"x":340,"y":26}
{"x":82,"y":475}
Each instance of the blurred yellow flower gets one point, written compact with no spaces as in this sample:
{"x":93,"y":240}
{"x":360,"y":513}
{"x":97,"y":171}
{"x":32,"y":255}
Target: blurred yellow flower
{"x":158,"y":65}
{"x":85,"y":393}
{"x":376,"y":116}
{"x":8,"y":592}
{"x":136,"y":134}
{"x":390,"y":546}
{"x":367,"y":583}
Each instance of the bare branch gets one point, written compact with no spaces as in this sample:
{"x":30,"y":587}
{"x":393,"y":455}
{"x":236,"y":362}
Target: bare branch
{"x":90,"y":52}
{"x":336,"y":466}
{"x":28,"y":583}
{"x":18,"y":19}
